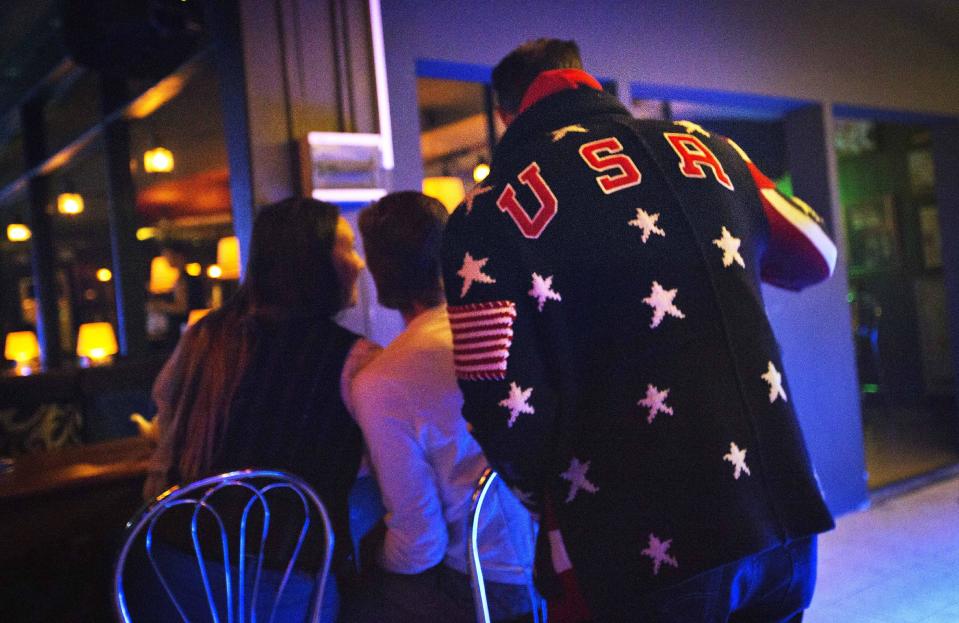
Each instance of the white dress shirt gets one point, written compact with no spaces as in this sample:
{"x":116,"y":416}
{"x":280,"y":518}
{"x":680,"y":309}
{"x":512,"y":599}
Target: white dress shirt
{"x":408,"y":405}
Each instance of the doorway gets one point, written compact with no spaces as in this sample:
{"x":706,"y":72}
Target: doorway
{"x":897,"y":298}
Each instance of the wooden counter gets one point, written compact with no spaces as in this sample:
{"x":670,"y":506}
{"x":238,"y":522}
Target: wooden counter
{"x":62,"y":515}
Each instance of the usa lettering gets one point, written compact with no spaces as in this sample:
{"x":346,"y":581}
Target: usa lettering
{"x":617,"y":171}
{"x":548,"y":205}
{"x":695,"y":158}
{"x":604,"y":156}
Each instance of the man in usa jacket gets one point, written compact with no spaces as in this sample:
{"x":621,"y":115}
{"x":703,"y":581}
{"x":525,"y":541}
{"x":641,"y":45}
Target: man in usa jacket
{"x":616,"y":361}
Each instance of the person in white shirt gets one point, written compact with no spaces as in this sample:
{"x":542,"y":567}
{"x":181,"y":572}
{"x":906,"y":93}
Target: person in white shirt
{"x":408,"y":406}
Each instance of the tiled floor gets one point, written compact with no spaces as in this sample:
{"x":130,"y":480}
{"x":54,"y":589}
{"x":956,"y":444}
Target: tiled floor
{"x":898,"y":562}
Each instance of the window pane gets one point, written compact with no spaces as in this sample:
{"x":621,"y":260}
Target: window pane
{"x":184,"y":209}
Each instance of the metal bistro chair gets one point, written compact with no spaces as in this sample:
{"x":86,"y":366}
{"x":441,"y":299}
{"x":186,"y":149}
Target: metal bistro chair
{"x":474,"y":564}
{"x":231,"y":535}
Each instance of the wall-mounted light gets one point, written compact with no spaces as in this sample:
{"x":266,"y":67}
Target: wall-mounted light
{"x":162,"y":276}
{"x":96,"y":343}
{"x":18,"y":232}
{"x":158,"y":160}
{"x":228,"y":257}
{"x":22,"y":347}
{"x":480,"y":172}
{"x":449,"y":190}
{"x":70,"y":203}
{"x":104,"y":275}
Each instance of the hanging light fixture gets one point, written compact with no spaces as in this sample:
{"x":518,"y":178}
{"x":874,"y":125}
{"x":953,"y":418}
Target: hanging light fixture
{"x":18,"y":232}
{"x":70,"y":203}
{"x":159,"y":159}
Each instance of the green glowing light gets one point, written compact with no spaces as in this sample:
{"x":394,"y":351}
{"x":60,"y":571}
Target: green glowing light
{"x":870,"y":388}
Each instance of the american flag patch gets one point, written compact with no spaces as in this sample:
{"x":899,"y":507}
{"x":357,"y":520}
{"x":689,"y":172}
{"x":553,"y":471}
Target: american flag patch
{"x":482,"y":335}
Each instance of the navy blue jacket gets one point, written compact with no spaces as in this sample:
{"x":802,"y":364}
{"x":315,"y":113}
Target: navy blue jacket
{"x":613,"y":349}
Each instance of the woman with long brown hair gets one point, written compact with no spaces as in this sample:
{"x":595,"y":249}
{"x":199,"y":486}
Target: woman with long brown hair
{"x":260,"y":381}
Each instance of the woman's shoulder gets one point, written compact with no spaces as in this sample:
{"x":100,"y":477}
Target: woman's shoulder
{"x":361,"y":354}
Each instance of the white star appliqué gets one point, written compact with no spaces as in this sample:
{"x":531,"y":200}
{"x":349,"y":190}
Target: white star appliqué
{"x":657,"y":551}
{"x":476,"y":191}
{"x":738,"y":458}
{"x":542,"y":290}
{"x":559,"y":134}
{"x":517,"y":402}
{"x":576,"y":475}
{"x":775,"y":380}
{"x":662,"y":303}
{"x":471,"y":271}
{"x":647,"y":222}
{"x":655,"y":401}
{"x":730,"y":247}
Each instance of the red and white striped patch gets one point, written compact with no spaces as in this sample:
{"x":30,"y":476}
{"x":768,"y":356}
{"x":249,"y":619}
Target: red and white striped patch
{"x":482,"y":336}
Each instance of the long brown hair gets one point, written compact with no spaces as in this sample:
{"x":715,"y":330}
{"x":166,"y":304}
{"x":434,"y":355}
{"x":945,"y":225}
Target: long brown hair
{"x":290,"y":271}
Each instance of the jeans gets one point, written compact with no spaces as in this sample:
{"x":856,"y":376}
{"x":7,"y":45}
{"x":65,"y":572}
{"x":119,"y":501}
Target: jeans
{"x":149,"y":602}
{"x":774,"y":586}
{"x":437,"y":595}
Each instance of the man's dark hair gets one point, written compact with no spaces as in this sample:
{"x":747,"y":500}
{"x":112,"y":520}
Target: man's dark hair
{"x":402,"y":233}
{"x":513,"y":75}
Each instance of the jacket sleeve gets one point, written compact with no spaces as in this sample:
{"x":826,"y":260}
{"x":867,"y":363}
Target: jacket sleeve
{"x":501,"y":344}
{"x":799,"y":253}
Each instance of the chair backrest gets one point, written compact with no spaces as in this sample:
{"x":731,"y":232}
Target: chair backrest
{"x":481,"y":492}
{"x":250,"y":545}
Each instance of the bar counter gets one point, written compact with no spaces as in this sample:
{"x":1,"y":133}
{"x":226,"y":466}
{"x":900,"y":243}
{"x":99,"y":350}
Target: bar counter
{"x":62,"y":515}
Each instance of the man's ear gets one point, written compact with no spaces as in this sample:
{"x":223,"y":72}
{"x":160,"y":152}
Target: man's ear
{"x":505,"y":116}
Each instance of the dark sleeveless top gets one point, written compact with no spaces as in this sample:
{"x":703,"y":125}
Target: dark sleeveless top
{"x":288,"y":413}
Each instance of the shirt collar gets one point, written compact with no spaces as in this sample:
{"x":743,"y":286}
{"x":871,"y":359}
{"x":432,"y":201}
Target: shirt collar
{"x":554,"y":81}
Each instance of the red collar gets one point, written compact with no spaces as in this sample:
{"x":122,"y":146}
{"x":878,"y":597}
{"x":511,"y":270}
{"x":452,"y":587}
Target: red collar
{"x":554,"y":81}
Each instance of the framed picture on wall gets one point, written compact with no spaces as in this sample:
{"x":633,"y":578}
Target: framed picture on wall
{"x":930,"y":237}
{"x":921,"y":173}
{"x":872,"y":234}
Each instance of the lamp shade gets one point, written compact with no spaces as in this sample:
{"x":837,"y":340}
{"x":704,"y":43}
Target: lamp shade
{"x":21,"y":346}
{"x":162,"y":276}
{"x":195,"y":315}
{"x":449,"y":190}
{"x":96,"y":340}
{"x":228,"y":257}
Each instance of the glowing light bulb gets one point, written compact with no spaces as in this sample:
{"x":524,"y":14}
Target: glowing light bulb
{"x":214,"y":272}
{"x":480,"y":172}
{"x":104,"y":275}
{"x":194,"y":269}
{"x":158,"y":160}
{"x":70,"y":203}
{"x":18,"y":232}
